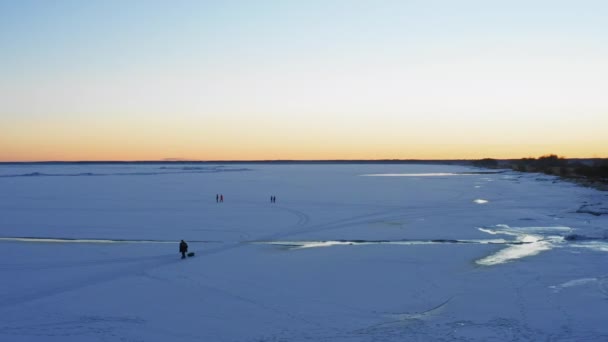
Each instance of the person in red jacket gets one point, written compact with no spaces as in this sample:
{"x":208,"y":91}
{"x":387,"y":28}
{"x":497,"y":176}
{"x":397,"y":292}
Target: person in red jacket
{"x":183,"y":248}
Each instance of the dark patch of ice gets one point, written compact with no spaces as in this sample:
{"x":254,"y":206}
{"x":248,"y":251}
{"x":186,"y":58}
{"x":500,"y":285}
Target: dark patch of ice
{"x":449,"y":241}
{"x":579,"y":237}
{"x":592,"y":209}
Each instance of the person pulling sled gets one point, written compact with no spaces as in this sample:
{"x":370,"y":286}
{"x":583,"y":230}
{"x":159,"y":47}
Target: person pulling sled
{"x":183,"y":248}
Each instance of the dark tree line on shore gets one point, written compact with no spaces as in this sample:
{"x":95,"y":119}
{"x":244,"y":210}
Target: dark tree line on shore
{"x":552,"y":164}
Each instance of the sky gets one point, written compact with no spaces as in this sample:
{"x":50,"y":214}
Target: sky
{"x":315,"y":79}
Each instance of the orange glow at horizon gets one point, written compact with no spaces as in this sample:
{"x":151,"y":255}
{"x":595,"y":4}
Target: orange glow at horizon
{"x":133,"y":138}
{"x":124,"y":150}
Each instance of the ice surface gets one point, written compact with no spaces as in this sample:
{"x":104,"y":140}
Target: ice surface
{"x":436,"y":174}
{"x":89,"y":253}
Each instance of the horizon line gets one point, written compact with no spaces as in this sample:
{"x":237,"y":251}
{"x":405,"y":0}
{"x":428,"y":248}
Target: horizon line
{"x":177,"y":160}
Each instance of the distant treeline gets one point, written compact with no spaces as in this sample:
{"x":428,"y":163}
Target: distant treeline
{"x":595,"y":169}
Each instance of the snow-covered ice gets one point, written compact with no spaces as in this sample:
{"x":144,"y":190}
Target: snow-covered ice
{"x":370,"y":252}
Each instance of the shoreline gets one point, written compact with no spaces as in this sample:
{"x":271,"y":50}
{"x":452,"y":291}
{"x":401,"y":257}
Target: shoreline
{"x":588,"y":183}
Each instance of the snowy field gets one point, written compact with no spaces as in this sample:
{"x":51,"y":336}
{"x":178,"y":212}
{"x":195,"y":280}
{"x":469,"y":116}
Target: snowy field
{"x":347,"y":253}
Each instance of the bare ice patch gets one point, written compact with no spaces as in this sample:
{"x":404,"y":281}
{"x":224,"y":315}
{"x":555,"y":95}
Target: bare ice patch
{"x":515,"y":252}
{"x":436,"y":174}
{"x":433,"y":174}
{"x":534,"y":240}
{"x":332,"y":243}
{"x":598,"y":246}
{"x":522,"y":242}
{"x":572,"y":283}
{"x":305,"y":244}
{"x":69,"y":240}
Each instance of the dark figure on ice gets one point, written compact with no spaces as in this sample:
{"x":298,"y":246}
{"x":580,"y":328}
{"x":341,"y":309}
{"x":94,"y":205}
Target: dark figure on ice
{"x":183,"y":248}
{"x":217,"y":198}
{"x":222,"y":198}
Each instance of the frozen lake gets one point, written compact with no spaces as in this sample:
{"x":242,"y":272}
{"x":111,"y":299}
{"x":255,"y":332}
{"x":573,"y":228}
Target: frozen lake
{"x":348,"y":252}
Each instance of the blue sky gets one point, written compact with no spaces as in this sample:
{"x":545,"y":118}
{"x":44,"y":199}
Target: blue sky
{"x":384,"y":72}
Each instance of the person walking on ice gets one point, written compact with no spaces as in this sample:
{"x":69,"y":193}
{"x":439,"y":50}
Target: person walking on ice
{"x":221,"y":198}
{"x":183,"y":248}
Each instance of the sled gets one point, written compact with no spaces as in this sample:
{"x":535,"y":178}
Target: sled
{"x":191,"y":254}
